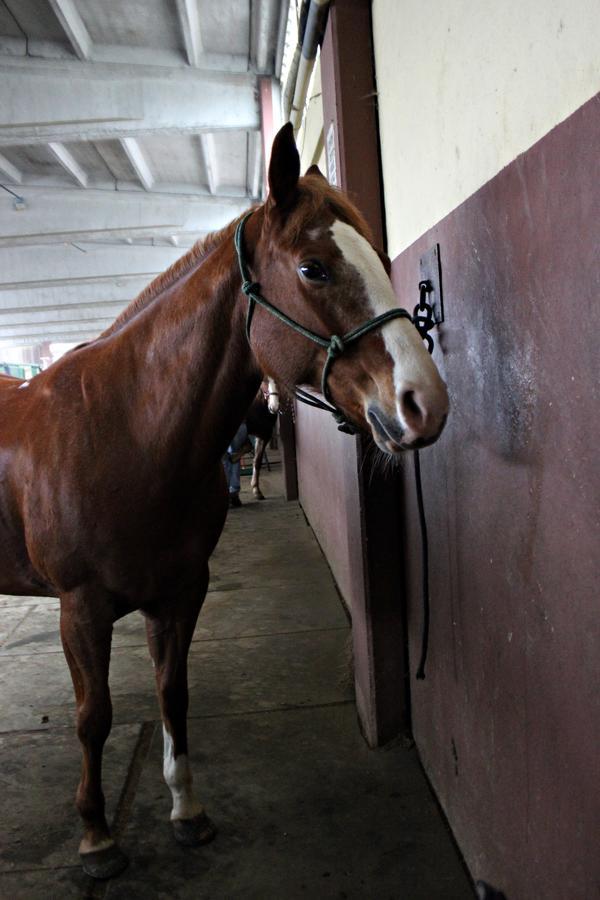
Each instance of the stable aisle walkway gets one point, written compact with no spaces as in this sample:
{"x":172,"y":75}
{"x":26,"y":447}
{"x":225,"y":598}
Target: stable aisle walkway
{"x":304,"y":809}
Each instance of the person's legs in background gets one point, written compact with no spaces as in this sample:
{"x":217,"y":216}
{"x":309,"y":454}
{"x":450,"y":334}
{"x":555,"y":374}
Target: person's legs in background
{"x":232,"y":469}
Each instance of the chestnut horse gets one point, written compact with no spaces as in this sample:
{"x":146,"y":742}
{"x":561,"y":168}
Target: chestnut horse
{"x":112,"y":492}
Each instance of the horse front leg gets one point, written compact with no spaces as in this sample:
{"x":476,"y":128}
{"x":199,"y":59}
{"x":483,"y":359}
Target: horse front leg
{"x":259,"y":450}
{"x":169,"y":633}
{"x":86,"y":622}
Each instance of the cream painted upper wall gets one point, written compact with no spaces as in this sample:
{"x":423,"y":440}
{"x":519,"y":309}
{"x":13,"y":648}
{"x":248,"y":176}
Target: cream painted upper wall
{"x":464,"y":87}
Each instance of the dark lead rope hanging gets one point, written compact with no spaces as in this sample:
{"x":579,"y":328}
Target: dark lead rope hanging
{"x":424,"y":321}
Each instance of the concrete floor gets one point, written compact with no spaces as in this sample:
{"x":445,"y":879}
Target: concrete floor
{"x":304,"y":808}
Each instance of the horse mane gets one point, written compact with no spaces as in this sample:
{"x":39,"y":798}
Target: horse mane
{"x":196,"y":254}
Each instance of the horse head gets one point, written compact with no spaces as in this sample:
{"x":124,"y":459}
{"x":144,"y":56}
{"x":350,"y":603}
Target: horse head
{"x":314,"y":259}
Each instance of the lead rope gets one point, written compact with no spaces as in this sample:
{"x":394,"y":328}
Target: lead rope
{"x":422,"y":319}
{"x":423,"y":315}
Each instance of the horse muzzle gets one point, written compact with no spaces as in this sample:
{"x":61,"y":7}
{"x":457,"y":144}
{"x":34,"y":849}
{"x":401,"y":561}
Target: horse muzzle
{"x":416,"y":424}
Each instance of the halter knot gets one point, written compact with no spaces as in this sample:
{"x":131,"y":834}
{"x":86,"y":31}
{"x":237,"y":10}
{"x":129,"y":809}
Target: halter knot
{"x":250,"y":287}
{"x":343,"y":424}
{"x":336,"y":346}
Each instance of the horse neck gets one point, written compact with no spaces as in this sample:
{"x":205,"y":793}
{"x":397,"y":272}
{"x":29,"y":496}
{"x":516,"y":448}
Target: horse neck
{"x":191,"y":372}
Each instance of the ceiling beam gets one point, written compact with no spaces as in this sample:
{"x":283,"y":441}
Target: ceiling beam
{"x":96,"y":292}
{"x":265,"y":15}
{"x":189,"y":21}
{"x":110,"y":184}
{"x":9,"y":171}
{"x":164,"y":57}
{"x":138,"y":161}
{"x":55,"y":215}
{"x":73,"y":26}
{"x":63,"y":101}
{"x":23,"y":322}
{"x":59,"y":262}
{"x":107,"y":308}
{"x":69,"y":163}
{"x":66,"y":333}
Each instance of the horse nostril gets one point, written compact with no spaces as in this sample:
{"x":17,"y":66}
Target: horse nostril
{"x":413,"y":414}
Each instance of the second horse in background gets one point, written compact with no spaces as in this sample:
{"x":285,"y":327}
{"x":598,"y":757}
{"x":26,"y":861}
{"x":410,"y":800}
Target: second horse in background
{"x":260,"y":422}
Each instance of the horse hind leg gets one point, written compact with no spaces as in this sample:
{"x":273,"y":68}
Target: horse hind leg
{"x":169,"y":636}
{"x":256,"y":467}
{"x":87,"y":650}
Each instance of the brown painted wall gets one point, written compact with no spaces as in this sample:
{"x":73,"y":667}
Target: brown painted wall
{"x":507,"y":722}
{"x":328,"y":491}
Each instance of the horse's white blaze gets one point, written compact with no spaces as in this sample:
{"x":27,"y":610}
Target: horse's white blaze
{"x":273,"y":398}
{"x":178,"y":775}
{"x":412,"y":364}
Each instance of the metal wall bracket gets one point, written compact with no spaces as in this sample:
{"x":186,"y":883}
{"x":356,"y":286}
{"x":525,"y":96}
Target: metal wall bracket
{"x":431,"y":271}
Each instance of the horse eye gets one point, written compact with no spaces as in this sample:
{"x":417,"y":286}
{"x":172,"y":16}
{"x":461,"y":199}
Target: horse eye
{"x":313,"y":270}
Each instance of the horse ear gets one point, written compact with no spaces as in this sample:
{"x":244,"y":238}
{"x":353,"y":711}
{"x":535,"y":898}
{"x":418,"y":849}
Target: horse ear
{"x":284,"y":168}
{"x":315,"y":170}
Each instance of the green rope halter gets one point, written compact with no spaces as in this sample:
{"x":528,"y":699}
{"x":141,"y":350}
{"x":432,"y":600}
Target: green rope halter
{"x":335,"y":345}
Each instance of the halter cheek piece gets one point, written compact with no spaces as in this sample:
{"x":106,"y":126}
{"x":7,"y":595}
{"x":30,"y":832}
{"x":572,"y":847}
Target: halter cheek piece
{"x":334,"y":345}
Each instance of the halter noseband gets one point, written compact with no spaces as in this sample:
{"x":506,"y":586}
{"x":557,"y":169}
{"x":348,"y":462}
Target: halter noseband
{"x":334,"y":345}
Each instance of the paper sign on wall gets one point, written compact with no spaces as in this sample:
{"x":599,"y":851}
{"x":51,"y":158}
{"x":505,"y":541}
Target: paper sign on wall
{"x":331,"y":158}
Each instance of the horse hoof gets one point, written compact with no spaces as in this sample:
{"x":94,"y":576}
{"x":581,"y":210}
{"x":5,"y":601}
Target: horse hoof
{"x":105,"y":863}
{"x":194,"y":832}
{"x":258,"y":495}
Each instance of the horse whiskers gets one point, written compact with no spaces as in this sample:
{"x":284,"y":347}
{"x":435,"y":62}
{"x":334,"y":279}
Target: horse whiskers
{"x":379,"y":462}
{"x":372,"y":461}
